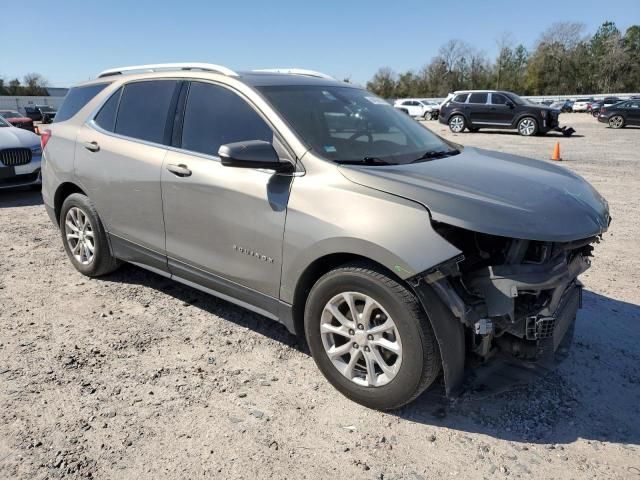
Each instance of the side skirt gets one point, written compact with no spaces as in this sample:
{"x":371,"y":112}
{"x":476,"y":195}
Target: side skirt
{"x":207,"y":282}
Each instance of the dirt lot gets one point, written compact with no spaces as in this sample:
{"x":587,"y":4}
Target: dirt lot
{"x":133,"y":376}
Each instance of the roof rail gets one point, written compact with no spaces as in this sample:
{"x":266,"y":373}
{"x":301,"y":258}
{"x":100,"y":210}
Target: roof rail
{"x":207,"y":67}
{"x":296,"y":71}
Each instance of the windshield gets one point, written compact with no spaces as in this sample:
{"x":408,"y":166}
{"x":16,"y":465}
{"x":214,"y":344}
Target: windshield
{"x":46,"y":109}
{"x":345,"y":124}
{"x":10,"y":114}
{"x":3,"y":122}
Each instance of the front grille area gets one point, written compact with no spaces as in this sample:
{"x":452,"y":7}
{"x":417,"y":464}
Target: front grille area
{"x":12,"y":157}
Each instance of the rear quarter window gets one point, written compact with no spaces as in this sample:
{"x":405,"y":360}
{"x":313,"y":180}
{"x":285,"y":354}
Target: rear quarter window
{"x":77,"y":98}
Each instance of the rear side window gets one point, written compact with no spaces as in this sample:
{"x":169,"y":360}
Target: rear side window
{"x":460,"y":98}
{"x":77,"y":98}
{"x":106,"y":117}
{"x":144,"y":107}
{"x":215,"y":115}
{"x":478,"y":98}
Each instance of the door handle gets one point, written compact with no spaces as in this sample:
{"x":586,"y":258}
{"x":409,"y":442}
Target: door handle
{"x":179,"y":170}
{"x":92,"y":146}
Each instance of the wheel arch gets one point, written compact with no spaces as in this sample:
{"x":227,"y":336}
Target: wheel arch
{"x":62,"y":192}
{"x":316,"y":269}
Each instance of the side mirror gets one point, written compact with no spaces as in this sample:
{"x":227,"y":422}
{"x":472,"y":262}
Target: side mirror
{"x":509,"y":104}
{"x":252,"y":154}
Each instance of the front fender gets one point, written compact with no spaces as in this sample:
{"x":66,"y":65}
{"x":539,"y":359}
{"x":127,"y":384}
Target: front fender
{"x":333,"y":215}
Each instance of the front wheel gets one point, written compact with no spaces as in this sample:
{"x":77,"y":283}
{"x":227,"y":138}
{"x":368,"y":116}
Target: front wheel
{"x":84,"y":237}
{"x":527,"y":127}
{"x":457,"y":123}
{"x":616,"y":121}
{"x":428,"y":116}
{"x":370,"y":337}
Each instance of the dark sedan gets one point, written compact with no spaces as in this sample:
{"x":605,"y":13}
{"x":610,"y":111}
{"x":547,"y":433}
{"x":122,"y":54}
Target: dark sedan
{"x":17,"y":120}
{"x":621,"y":114}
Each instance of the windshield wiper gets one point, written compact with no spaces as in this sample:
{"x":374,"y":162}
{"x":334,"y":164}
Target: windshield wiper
{"x":364,"y":161}
{"x":432,"y":154}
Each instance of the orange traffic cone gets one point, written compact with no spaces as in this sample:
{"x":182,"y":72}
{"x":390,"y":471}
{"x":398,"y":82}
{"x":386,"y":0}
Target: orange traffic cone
{"x":556,"y":153}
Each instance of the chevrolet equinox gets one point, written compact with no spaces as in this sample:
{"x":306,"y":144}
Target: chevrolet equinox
{"x":400,"y":256}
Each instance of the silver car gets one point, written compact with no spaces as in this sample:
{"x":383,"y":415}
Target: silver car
{"x":20,"y":155}
{"x":399,"y":256}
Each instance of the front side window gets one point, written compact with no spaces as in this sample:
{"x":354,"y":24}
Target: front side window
{"x":478,"y":98}
{"x":345,"y":124}
{"x":143,"y":110}
{"x":215,"y":116}
{"x":461,"y":98}
{"x":498,"y":99}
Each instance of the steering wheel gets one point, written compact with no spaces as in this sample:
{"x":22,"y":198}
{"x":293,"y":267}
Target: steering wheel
{"x":361,"y":134}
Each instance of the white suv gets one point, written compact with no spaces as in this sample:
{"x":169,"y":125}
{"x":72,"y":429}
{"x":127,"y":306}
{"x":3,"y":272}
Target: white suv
{"x":412,"y":106}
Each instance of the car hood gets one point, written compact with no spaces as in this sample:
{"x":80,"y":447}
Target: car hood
{"x":12,"y":137}
{"x":495,"y":193}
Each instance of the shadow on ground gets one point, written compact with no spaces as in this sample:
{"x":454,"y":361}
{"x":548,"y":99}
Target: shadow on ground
{"x":501,"y":399}
{"x":19,"y":197}
{"x":515,"y":133}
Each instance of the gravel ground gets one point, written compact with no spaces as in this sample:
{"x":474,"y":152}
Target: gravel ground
{"x":134,"y":376}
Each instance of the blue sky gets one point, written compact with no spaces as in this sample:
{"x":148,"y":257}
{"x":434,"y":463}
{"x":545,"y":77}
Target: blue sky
{"x":71,"y":40}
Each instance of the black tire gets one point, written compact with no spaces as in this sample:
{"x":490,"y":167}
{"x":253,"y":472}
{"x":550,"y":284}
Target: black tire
{"x":102,"y":262}
{"x":421,"y":362}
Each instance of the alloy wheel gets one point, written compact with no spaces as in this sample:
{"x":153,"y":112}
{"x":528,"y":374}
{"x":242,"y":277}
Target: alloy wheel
{"x":361,"y":339}
{"x":456,"y":123}
{"x":616,"y":121}
{"x":79,"y":234}
{"x":527,"y":127}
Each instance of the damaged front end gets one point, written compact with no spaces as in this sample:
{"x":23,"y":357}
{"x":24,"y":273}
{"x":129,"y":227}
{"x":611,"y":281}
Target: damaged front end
{"x":506,"y":295}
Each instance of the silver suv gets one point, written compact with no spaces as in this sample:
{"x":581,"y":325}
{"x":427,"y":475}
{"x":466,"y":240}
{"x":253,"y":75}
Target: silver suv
{"x":399,"y":256}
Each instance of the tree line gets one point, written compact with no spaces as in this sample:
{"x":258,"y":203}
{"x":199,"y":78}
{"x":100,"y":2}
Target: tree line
{"x":33,"y":84}
{"x":563,"y":61}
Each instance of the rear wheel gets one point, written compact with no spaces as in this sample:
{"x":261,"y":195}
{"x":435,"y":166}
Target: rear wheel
{"x":84,"y":237}
{"x":616,"y":121}
{"x":527,"y":127}
{"x":370,"y":337}
{"x":457,"y":123}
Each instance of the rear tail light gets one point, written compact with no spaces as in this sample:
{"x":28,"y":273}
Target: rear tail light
{"x":603,"y":110}
{"x":45,"y":135}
